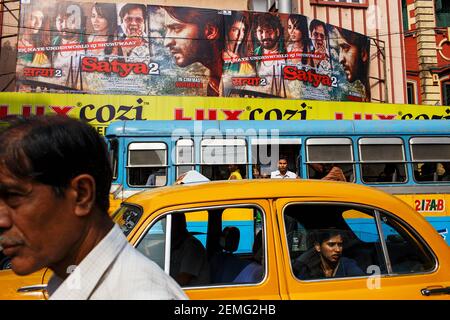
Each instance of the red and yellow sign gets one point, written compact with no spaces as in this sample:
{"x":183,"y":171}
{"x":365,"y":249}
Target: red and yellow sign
{"x":100,"y":110}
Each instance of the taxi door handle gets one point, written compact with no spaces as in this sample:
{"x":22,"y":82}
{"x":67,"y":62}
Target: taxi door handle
{"x":429,"y":291}
{"x":36,"y":287}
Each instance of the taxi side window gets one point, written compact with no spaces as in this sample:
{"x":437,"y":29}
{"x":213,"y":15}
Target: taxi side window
{"x":153,"y":243}
{"x":406,"y":253}
{"x":342,"y":241}
{"x":213,"y":246}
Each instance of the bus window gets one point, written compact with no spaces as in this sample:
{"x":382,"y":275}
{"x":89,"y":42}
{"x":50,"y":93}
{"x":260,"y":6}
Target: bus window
{"x":266,"y":152}
{"x":382,"y":160}
{"x":184,"y":158}
{"x":445,"y":171}
{"x":431,"y":157}
{"x":147,"y":164}
{"x":322,"y":154}
{"x":217,"y":156}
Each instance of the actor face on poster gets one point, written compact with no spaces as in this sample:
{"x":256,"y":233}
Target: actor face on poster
{"x":354,"y":58}
{"x":319,"y":37}
{"x":103,"y":29}
{"x":237,"y":31}
{"x":194,"y":35}
{"x":299,"y":43}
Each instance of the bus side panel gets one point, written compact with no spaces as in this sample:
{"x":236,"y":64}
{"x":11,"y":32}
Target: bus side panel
{"x":435,"y":208}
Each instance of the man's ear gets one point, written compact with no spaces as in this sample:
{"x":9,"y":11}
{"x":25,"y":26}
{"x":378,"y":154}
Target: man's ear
{"x":364,"y":55}
{"x":83,"y":187}
{"x":211,"y":32}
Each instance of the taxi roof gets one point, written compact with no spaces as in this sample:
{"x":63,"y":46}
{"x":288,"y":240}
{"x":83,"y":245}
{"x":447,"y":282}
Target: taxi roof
{"x":266,"y":189}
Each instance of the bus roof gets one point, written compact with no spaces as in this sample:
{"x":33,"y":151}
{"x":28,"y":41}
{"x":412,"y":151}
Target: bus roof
{"x":284,"y":127}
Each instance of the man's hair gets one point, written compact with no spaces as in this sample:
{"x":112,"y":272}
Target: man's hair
{"x":62,"y":11}
{"x":315,"y":23}
{"x":130,"y":6}
{"x":323,"y":235}
{"x":200,"y":17}
{"x":53,"y":150}
{"x":283,"y":157}
{"x":363,"y":44}
{"x":360,"y":41}
{"x":269,"y":21}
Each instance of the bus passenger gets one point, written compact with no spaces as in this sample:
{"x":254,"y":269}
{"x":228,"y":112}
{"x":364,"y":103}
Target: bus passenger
{"x":328,"y":172}
{"x":427,"y":172}
{"x":283,"y":172}
{"x":446,"y":175}
{"x":256,"y":169}
{"x":389,"y":174}
{"x":235,"y":173}
{"x":325,"y":259}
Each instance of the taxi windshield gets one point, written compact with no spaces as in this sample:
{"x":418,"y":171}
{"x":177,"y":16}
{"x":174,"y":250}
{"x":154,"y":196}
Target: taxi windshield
{"x":127,"y":216}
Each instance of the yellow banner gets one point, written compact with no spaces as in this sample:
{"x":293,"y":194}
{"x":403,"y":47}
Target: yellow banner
{"x":100,"y":110}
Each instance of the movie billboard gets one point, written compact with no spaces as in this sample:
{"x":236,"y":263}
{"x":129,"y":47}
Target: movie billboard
{"x":126,"y":48}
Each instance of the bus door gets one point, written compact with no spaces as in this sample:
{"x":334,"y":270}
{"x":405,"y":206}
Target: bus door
{"x":265,"y":154}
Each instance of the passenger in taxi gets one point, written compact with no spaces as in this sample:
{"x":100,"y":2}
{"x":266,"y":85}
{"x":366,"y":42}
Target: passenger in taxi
{"x":325,"y":259}
{"x":254,"y":271}
{"x":55,"y":178}
{"x":189,"y":264}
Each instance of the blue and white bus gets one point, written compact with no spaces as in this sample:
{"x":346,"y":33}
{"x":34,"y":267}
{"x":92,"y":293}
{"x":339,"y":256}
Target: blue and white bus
{"x":410,"y":159}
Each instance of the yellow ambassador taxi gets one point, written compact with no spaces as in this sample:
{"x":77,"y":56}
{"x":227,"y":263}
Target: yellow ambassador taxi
{"x":274,"y":239}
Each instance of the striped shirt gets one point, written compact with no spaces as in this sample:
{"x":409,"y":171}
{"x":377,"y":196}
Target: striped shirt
{"x":115,"y":270}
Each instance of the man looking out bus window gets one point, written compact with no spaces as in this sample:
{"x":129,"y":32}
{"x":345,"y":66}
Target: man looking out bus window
{"x":283,"y":172}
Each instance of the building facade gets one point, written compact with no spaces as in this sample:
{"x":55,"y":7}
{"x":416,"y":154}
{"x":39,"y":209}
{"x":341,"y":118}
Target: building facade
{"x":427,"y":41}
{"x":381,"y":20}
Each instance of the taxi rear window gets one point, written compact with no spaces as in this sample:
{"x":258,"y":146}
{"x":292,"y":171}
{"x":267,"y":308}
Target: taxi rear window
{"x":127,"y":216}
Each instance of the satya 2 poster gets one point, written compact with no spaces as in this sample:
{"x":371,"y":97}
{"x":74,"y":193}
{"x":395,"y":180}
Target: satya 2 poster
{"x":126,"y":48}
